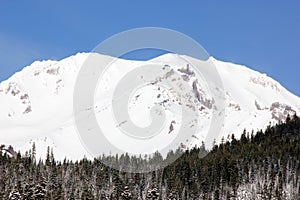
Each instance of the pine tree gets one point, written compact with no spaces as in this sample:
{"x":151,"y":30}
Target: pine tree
{"x":126,"y":194}
{"x":28,"y":191}
{"x":15,"y":195}
{"x":58,"y":192}
{"x":153,"y":194}
{"x":40,"y":191}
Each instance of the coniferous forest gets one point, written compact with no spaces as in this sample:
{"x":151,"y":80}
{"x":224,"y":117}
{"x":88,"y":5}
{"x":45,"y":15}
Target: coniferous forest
{"x":262,"y":165}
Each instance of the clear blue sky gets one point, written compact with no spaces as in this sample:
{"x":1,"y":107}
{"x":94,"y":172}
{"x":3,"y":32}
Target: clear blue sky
{"x":264,"y":35}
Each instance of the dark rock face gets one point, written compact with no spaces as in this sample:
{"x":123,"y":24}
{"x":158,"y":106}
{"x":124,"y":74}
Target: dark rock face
{"x":280,"y":111}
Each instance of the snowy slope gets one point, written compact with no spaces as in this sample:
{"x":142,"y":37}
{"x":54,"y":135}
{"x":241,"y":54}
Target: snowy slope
{"x":36,"y":104}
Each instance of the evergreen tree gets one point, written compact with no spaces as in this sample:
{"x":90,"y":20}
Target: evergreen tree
{"x":15,"y":195}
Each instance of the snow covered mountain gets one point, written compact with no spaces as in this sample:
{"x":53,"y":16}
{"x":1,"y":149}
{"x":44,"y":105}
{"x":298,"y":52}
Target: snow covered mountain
{"x":36,"y":104}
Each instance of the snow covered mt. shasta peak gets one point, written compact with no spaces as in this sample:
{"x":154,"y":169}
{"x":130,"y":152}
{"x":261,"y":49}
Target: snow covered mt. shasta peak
{"x":37,"y":103}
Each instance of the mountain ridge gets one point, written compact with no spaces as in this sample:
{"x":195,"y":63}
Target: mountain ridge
{"x":35,"y":99}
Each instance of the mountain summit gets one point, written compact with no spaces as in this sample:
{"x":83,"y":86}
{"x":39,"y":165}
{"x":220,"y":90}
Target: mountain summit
{"x":37,"y":103}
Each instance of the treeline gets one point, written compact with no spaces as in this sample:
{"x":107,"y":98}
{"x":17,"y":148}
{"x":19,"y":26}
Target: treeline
{"x":264,"y":165}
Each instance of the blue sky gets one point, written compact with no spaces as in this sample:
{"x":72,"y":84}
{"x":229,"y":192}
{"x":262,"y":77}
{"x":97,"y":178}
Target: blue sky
{"x":264,"y":35}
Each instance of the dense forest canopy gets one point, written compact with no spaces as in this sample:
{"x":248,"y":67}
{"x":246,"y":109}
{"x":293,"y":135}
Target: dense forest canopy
{"x":262,"y":165}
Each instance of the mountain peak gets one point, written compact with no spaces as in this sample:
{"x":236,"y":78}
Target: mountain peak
{"x":37,"y":103}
